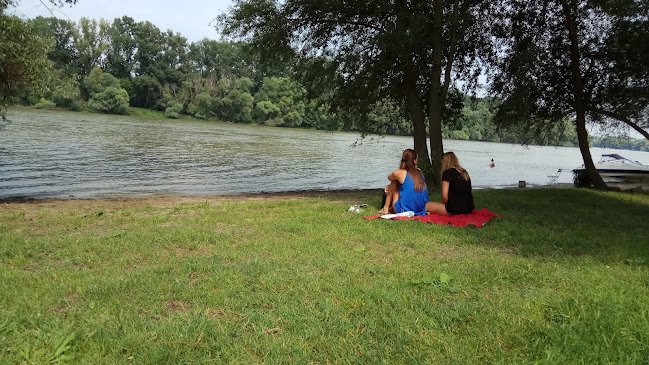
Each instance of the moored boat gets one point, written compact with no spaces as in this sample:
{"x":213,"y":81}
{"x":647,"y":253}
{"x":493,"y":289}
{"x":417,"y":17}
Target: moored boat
{"x":614,"y":167}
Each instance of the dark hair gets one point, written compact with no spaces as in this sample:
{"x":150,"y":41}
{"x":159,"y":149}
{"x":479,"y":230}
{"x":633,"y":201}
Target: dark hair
{"x":408,"y":163}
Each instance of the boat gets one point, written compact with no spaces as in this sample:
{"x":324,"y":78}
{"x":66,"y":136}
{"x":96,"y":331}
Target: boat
{"x":615,"y":168}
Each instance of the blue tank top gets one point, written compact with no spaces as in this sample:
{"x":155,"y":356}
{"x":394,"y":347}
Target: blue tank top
{"x":411,"y":200}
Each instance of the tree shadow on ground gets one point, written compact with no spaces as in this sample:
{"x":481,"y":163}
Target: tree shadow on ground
{"x":554,"y":222}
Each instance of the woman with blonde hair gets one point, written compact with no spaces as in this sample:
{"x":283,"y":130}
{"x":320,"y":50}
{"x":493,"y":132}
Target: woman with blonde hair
{"x":456,"y":189}
{"x":407,"y":190}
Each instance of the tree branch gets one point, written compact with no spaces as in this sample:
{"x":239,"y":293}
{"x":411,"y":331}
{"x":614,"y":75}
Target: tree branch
{"x":621,"y":118}
{"x":451,"y":50}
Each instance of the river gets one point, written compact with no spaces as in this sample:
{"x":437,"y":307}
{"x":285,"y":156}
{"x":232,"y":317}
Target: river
{"x":53,"y":154}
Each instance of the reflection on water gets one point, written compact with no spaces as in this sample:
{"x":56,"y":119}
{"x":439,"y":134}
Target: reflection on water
{"x":60,"y":154}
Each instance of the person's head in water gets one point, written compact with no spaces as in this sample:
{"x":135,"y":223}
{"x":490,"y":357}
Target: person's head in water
{"x":409,"y":163}
{"x":492,"y":164}
{"x":450,"y":161}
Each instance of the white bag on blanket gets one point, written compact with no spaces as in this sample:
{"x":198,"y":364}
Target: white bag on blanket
{"x":402,"y":214}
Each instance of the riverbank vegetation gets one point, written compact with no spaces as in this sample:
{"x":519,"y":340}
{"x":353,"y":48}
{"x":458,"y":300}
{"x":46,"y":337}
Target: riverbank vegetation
{"x":109,"y":66}
{"x":560,"y":278}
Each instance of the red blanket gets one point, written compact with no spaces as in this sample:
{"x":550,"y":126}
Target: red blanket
{"x":477,"y":218}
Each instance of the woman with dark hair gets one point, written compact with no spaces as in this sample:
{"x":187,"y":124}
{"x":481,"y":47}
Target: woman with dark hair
{"x":457,"y":197}
{"x":407,"y":190}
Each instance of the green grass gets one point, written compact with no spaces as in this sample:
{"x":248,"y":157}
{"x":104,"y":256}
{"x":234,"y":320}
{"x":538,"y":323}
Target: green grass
{"x":562,"y":278}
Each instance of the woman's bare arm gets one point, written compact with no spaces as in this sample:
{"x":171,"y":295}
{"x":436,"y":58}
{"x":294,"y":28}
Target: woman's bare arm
{"x":445,"y":185}
{"x":398,"y":175}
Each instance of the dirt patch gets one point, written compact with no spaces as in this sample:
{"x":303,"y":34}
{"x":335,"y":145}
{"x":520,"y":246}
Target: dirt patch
{"x":93,"y":205}
{"x":70,"y":301}
{"x":175,"y":305}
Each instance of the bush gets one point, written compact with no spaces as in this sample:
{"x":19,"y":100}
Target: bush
{"x":581,"y":179}
{"x":45,"y":104}
{"x":173,"y":110}
{"x":201,"y":107}
{"x":111,"y":101}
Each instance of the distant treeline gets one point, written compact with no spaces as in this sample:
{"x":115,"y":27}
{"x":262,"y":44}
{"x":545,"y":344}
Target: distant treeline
{"x":108,"y":66}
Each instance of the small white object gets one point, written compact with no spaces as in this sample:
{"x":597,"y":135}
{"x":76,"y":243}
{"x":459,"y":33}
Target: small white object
{"x":409,"y":213}
{"x":356,"y":208}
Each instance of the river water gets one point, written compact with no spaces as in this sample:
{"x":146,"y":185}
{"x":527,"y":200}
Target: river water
{"x":52,"y":154}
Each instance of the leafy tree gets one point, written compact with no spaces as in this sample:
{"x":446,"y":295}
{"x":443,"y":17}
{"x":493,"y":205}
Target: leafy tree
{"x":148,"y":92}
{"x":411,"y":51}
{"x":23,"y":59}
{"x":173,"y":110}
{"x":112,"y":101}
{"x":221,"y":59}
{"x":202,"y":106}
{"x":237,"y":103}
{"x":122,"y":46}
{"x":90,"y":40}
{"x":280,"y":102}
{"x":148,"y":40}
{"x":577,"y":59}
{"x":64,"y":52}
{"x":97,"y":81}
{"x":387,"y":117}
{"x":45,"y":104}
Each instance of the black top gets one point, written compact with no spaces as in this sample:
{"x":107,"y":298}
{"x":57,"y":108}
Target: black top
{"x":460,"y":198}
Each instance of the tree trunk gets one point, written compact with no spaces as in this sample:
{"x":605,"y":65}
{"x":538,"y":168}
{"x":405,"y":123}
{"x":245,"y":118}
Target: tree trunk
{"x":436,"y":99}
{"x":413,"y":101}
{"x":415,"y":109}
{"x":580,"y":106}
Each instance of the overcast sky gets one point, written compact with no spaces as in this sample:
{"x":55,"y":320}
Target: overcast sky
{"x":190,"y":18}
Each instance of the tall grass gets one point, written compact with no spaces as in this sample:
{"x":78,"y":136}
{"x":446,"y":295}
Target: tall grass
{"x":562,"y":277}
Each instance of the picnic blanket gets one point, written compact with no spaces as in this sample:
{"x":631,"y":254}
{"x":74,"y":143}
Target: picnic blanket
{"x":477,"y":218}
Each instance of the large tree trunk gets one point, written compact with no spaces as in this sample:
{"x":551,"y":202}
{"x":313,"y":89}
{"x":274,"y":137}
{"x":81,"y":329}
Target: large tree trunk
{"x":580,"y":106}
{"x":413,"y":101}
{"x":436,"y":98}
{"x":416,"y":111}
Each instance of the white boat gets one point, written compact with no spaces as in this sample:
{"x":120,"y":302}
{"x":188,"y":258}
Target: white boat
{"x":614,"y":167}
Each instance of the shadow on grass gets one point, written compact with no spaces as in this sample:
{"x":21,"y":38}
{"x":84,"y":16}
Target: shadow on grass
{"x":554,"y":222}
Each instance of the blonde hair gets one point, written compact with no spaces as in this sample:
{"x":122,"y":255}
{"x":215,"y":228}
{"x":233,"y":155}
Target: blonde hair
{"x":450,"y":161}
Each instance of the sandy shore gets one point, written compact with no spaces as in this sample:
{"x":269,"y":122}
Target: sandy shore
{"x":169,"y":200}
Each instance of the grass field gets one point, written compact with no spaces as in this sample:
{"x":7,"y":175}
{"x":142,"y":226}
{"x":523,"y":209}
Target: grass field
{"x":561,"y":278}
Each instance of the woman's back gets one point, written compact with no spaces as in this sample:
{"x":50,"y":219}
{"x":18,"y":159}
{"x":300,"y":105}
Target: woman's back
{"x":460,"y":197}
{"x":411,"y":200}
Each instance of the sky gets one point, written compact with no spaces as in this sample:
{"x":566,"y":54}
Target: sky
{"x":190,"y":18}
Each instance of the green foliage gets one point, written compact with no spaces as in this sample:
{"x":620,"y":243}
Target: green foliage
{"x":112,"y":101}
{"x":98,"y":81}
{"x":23,"y":59}
{"x":148,"y":92}
{"x":159,"y":69}
{"x":63,"y":53}
{"x":66,"y":93}
{"x":387,"y":117}
{"x":45,"y":104}
{"x":90,"y":39}
{"x":202,"y":106}
{"x":548,"y":75}
{"x":122,"y":47}
{"x":280,"y":102}
{"x":581,"y":179}
{"x":173,"y":110}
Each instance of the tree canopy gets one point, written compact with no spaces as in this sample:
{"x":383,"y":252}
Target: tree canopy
{"x":579,"y":60}
{"x":412,"y":52}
